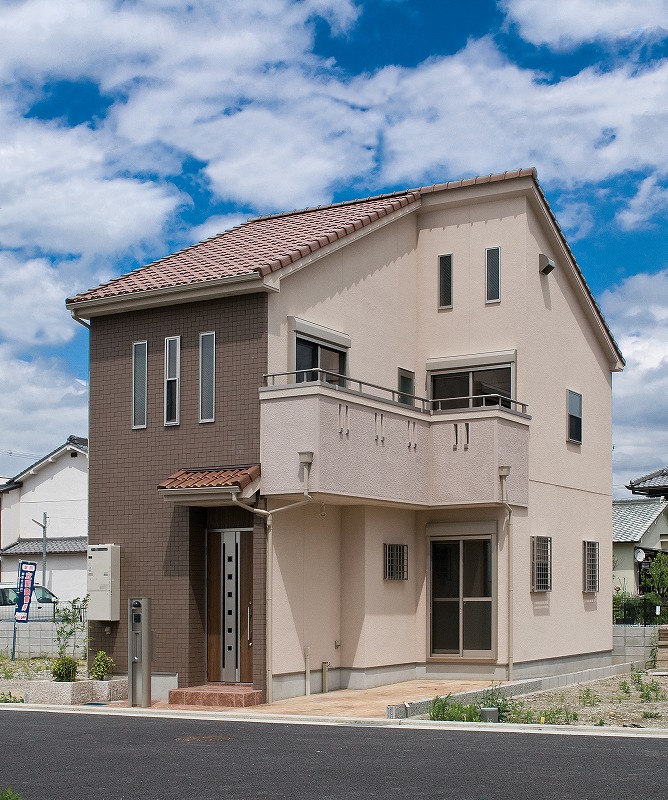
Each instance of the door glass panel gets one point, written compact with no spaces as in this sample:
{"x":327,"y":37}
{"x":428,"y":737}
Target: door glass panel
{"x":454,"y":385}
{"x":477,"y":625}
{"x":444,"y":570}
{"x":478,"y":568}
{"x":307,"y":358}
{"x":445,"y":626}
{"x":334,"y":362}
{"x":491,"y":382}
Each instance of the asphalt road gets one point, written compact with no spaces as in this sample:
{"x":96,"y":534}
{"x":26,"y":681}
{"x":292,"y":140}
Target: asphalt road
{"x":50,"y":756}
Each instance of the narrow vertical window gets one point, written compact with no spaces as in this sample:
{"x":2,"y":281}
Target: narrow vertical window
{"x":406,"y":387}
{"x":541,"y":564}
{"x":445,"y":281}
{"x":172,"y":388}
{"x":493,"y":256}
{"x":139,"y":383}
{"x":574,"y":417}
{"x":590,"y":566}
{"x":207,"y":379}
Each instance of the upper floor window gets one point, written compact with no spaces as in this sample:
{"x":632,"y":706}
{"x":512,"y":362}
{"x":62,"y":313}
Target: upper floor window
{"x":574,"y":417}
{"x":590,"y":566}
{"x":139,"y":383}
{"x":445,"y":281}
{"x":207,"y":376}
{"x":482,"y":386}
{"x":406,"y":387}
{"x":329,"y":362}
{"x":493,"y":274}
{"x":172,"y":379}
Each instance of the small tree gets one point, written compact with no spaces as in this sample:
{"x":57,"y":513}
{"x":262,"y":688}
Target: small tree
{"x":656,"y":578}
{"x":70,"y":620}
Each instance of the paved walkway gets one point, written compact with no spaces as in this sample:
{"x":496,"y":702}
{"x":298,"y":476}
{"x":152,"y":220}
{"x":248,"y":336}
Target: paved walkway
{"x":353,"y":703}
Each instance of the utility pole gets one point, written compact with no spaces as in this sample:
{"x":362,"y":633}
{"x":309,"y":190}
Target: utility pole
{"x":42,"y":525}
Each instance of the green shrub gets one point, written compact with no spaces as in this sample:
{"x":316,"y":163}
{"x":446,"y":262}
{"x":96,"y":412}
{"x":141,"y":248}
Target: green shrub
{"x":64,"y":668}
{"x":102,"y":665}
{"x":8,"y":794}
{"x":443,"y":709}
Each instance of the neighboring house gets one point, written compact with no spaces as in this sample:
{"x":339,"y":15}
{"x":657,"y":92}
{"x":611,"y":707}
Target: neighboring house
{"x":282,"y":510}
{"x":639,"y":529}
{"x":653,"y":485}
{"x":56,"y":485}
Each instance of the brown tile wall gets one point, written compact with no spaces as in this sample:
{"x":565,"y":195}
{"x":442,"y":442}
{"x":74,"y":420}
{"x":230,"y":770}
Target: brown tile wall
{"x":162,"y":545}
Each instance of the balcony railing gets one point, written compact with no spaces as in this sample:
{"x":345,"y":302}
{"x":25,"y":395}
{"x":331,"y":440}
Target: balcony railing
{"x":335,"y":380}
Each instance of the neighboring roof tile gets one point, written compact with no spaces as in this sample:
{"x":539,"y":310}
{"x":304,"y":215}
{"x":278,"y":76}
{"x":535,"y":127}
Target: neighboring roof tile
{"x":656,"y":483}
{"x":212,"y":477}
{"x":631,"y":519}
{"x":259,"y":246}
{"x":33,"y":547}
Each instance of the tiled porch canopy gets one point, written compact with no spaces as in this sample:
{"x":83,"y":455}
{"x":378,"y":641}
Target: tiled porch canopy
{"x":210,"y":486}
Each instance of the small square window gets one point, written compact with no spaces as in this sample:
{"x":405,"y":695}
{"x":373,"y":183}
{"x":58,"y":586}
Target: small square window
{"x":590,"y":566}
{"x":541,"y":564}
{"x":574,"y":417}
{"x":445,"y":281}
{"x":396,"y":562}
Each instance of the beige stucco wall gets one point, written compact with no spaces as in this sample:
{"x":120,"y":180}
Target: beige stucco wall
{"x":382,"y":291}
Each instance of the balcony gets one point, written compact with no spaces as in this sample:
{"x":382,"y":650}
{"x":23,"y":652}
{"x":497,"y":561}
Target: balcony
{"x":375,"y":444}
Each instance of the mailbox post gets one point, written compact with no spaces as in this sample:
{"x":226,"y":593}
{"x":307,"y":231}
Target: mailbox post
{"x":139,"y":652}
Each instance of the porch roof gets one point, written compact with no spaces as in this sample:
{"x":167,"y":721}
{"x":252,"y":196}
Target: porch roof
{"x":210,"y":485}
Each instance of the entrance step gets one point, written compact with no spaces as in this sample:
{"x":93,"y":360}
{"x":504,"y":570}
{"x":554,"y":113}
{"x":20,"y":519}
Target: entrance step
{"x":224,"y":695}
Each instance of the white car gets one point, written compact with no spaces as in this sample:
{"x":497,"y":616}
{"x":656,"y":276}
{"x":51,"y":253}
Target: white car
{"x":43,"y":599}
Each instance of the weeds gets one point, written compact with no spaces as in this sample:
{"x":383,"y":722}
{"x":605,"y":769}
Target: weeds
{"x":624,"y":688}
{"x":651,"y":715}
{"x":8,"y":697}
{"x":9,"y":794}
{"x":587,"y":697}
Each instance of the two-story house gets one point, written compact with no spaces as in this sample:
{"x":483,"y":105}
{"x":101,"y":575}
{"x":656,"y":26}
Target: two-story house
{"x":374,"y":435}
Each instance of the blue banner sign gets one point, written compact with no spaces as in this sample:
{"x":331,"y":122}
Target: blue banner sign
{"x":27,"y":570}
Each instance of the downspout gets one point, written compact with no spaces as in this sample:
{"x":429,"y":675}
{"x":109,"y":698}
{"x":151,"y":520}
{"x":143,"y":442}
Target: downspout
{"x":78,"y":319}
{"x":508,"y":525}
{"x":305,"y":458}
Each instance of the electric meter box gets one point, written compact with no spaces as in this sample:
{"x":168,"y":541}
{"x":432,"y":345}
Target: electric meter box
{"x":104,"y":582}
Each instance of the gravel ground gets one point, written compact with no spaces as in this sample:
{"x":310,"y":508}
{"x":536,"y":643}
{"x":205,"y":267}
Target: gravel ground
{"x":638,"y":701}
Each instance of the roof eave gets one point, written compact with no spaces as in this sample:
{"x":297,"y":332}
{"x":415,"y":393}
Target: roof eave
{"x":188,"y":293}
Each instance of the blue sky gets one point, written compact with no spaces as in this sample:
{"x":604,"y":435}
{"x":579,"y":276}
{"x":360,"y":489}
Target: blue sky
{"x":131,"y":128}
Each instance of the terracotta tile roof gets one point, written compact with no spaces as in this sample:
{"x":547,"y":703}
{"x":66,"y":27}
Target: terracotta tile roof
{"x":259,"y":246}
{"x":212,"y":477}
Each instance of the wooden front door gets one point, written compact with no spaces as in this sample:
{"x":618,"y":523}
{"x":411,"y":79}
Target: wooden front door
{"x":229,"y":611}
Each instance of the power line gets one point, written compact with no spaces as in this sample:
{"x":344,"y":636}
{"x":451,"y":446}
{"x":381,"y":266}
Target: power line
{"x":18,"y":454}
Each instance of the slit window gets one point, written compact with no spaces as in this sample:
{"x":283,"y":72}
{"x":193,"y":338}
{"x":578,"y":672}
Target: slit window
{"x":445,"y":281}
{"x":541,"y":564}
{"x":590,"y":566}
{"x":172,"y":379}
{"x":396,"y":562}
{"x":493,"y":274}
{"x":574,"y":417}
{"x":207,"y":373}
{"x":139,"y":383}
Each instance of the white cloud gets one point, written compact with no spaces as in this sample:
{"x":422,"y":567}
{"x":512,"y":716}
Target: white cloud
{"x":566,"y":23}
{"x":637,"y":311}
{"x":40,"y":406}
{"x":650,"y":200}
{"x":215,"y":225}
{"x":31,"y":299}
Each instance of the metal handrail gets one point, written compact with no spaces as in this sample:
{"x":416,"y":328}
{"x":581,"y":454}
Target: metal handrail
{"x":336,"y":380}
